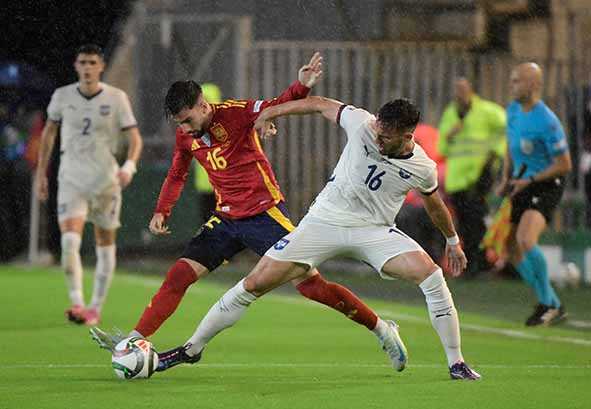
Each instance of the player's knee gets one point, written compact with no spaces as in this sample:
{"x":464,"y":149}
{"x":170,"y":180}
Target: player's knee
{"x":180,"y":276}
{"x":525,"y":243}
{"x":70,"y":242}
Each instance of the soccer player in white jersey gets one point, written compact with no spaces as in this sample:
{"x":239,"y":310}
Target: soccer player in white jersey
{"x":355,"y":214}
{"x":93,"y":116}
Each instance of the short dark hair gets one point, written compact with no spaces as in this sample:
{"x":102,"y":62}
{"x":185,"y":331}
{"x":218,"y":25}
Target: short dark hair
{"x":181,"y":94}
{"x":91,"y":49}
{"x":399,"y":114}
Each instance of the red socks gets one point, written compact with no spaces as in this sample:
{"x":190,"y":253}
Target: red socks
{"x":338,"y":297}
{"x":180,"y":276}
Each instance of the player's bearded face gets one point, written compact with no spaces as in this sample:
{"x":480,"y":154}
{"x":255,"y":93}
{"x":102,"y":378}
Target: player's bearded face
{"x":389,"y":140}
{"x":89,"y":67}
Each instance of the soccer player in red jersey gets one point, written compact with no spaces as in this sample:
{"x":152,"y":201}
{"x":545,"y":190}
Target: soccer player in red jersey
{"x":250,"y":210}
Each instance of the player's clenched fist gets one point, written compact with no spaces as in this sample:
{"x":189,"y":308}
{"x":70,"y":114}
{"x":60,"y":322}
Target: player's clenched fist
{"x":158,"y":224}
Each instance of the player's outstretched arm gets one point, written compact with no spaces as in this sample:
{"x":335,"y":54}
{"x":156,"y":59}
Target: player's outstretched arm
{"x":441,"y":218}
{"x":329,"y":108}
{"x":134,"y":151}
{"x":47,"y":142}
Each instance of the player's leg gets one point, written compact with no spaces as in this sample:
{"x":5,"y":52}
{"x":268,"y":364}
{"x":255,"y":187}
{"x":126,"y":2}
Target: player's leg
{"x":72,"y":212}
{"x":534,"y":269}
{"x":71,"y":231}
{"x":314,"y":286}
{"x":268,"y":229}
{"x":164,"y":303}
{"x":106,"y":250}
{"x":213,"y":244}
{"x":267,"y":275}
{"x":105,"y":212}
{"x":395,"y":255}
{"x":418,"y":267}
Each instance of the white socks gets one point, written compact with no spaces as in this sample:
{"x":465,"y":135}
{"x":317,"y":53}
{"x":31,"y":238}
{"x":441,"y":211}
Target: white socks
{"x":103,"y":274}
{"x":444,"y":316}
{"x":381,"y":328}
{"x":223,"y":314}
{"x":72,"y":266}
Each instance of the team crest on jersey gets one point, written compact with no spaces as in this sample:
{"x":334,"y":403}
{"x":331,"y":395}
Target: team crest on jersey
{"x":527,"y":146}
{"x":219,"y":133}
{"x":404,"y":174}
{"x":280,"y":245}
{"x":105,"y":110}
{"x":194,"y":145}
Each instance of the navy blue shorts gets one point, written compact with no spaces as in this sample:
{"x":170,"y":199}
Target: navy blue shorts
{"x":219,"y":239}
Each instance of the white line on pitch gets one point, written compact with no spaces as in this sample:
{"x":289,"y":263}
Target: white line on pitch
{"x":511,"y":333}
{"x":296,"y":365}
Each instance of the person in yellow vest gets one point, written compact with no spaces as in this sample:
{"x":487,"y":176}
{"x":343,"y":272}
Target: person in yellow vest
{"x":472,"y":139}
{"x":207,"y":200}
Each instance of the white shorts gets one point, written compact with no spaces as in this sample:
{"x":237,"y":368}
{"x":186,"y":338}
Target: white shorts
{"x":314,"y":241}
{"x":103,"y":209}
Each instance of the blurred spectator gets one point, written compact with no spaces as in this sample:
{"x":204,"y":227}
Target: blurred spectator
{"x":412,"y":218}
{"x":472,"y":140}
{"x":15,"y":179}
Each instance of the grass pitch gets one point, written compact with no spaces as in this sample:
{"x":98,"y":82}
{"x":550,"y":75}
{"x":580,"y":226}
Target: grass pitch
{"x":286,"y":352}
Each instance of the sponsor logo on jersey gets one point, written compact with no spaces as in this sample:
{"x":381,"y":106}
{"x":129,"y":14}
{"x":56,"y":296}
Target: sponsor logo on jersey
{"x":527,"y":146}
{"x":194,"y":145}
{"x":366,"y":150}
{"x":404,"y":174}
{"x":280,"y":245}
{"x":206,"y":139}
{"x":105,"y":110}
{"x":72,"y":107}
{"x":219,"y":133}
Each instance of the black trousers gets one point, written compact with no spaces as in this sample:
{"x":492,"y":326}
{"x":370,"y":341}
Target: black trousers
{"x":470,"y":210}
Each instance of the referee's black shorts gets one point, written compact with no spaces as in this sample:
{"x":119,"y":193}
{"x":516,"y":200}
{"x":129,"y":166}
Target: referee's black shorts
{"x":541,"y":196}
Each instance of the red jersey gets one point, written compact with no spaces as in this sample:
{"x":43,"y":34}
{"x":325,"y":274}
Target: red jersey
{"x":230,"y":151}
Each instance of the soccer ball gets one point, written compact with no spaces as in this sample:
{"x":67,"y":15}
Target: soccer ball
{"x":134,"y":358}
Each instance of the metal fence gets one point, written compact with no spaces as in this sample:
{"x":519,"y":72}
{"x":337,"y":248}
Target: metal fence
{"x":219,"y":49}
{"x":367,"y":75}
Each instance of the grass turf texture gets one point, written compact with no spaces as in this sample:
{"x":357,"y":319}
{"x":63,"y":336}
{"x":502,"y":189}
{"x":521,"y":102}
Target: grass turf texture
{"x":286,"y":352}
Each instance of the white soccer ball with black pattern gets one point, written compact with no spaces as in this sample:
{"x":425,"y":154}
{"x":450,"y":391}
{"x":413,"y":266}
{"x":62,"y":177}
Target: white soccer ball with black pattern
{"x":134,"y":358}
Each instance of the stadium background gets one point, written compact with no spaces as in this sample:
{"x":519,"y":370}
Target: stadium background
{"x":387,"y":49}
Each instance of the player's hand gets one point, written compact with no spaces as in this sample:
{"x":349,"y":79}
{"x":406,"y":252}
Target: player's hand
{"x":158,"y":225}
{"x":41,"y":187}
{"x":265,"y":129}
{"x":517,"y":185}
{"x":124,"y":178}
{"x":310,"y":73}
{"x":456,"y":259}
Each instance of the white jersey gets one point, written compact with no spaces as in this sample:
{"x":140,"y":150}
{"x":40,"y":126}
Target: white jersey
{"x":90,"y":128}
{"x":368,"y":188}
